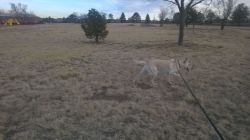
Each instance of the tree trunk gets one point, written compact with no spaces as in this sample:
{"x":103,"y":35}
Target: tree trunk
{"x":239,"y":24}
{"x":223,"y":22}
{"x":96,"y":39}
{"x":182,"y":26}
{"x":193,"y":27}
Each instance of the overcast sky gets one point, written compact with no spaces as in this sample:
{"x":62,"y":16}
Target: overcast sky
{"x":62,"y":8}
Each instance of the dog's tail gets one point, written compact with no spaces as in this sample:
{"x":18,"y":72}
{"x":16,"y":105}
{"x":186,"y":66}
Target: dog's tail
{"x":139,"y":62}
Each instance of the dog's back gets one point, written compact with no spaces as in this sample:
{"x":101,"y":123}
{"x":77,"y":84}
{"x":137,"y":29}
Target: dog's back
{"x":165,"y":66}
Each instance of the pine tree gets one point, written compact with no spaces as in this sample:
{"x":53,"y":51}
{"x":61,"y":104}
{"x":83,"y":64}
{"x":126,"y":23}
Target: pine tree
{"x":95,"y":27}
{"x":122,"y":18}
{"x":147,"y":20}
{"x":136,"y":18}
{"x":240,"y":14}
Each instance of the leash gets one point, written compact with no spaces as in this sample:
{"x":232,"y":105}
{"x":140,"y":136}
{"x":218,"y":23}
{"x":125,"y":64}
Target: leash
{"x":199,"y":104}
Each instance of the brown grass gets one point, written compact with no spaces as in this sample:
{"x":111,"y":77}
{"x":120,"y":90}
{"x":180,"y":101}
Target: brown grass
{"x":56,"y":84}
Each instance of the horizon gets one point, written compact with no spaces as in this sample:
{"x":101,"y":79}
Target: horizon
{"x":63,"y":8}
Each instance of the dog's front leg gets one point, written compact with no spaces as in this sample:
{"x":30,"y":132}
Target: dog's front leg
{"x":169,"y":78}
{"x":154,"y":84}
{"x":138,"y":76}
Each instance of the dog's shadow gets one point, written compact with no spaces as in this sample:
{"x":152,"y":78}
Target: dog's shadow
{"x":144,"y":85}
{"x":104,"y":93}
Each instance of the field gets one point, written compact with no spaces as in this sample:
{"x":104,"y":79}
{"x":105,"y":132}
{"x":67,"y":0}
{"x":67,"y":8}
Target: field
{"x":55,"y":84}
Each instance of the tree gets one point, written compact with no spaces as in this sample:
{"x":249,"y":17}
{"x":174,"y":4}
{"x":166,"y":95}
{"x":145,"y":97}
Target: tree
{"x":95,"y":27}
{"x":136,"y":18}
{"x":224,"y":8}
{"x":147,"y":19}
{"x":162,"y":16}
{"x":48,"y":20}
{"x":183,"y":5}
{"x":240,"y":14}
{"x":200,"y":18}
{"x":19,"y":10}
{"x":192,"y":15}
{"x":111,"y":16}
{"x":104,"y":15}
{"x":83,"y":18}
{"x":210,"y":17}
{"x":176,"y":18}
{"x":122,"y":18}
{"x":72,"y":18}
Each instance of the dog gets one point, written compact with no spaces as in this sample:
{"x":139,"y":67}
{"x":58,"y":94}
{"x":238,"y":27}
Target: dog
{"x":152,"y":68}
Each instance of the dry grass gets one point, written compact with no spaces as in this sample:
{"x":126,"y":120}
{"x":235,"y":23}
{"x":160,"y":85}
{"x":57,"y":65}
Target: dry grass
{"x":56,"y":84}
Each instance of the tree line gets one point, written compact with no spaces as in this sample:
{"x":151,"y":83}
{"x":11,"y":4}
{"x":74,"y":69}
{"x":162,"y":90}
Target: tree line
{"x":20,"y":12}
{"x":222,"y":12}
{"x":188,"y":14}
{"x":239,"y":16}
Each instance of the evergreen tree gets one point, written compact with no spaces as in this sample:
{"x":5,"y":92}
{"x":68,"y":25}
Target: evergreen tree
{"x":95,"y":27}
{"x":176,"y":18}
{"x":240,"y":14}
{"x":147,"y":20}
{"x":72,"y":18}
{"x":210,"y":17}
{"x":136,"y":18}
{"x":122,"y":18}
{"x":191,"y":16}
{"x":111,"y":16}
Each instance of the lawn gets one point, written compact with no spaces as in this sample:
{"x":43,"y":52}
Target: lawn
{"x":57,"y":84}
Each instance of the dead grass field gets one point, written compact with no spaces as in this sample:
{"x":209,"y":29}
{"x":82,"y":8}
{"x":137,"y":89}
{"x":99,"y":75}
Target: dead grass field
{"x":57,"y":85}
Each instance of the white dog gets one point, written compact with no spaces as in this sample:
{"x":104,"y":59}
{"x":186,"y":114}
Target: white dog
{"x":156,"y":67}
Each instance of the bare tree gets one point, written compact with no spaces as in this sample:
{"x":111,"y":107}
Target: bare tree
{"x":183,"y":5}
{"x":162,"y":16}
{"x":224,"y":8}
{"x":19,"y":10}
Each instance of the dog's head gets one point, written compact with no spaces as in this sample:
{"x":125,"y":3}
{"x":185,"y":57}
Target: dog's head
{"x":186,"y":64}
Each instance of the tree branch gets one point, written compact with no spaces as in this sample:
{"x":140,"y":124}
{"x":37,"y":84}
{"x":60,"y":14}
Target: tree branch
{"x":170,"y":1}
{"x":189,"y":4}
{"x":192,"y":5}
{"x":178,"y":4}
{"x":175,"y":2}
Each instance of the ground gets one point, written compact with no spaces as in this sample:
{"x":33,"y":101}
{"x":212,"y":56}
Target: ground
{"x":57,"y":84}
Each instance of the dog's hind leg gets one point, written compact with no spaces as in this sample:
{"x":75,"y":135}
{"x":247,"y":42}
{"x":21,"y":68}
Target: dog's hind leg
{"x":153,"y":81}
